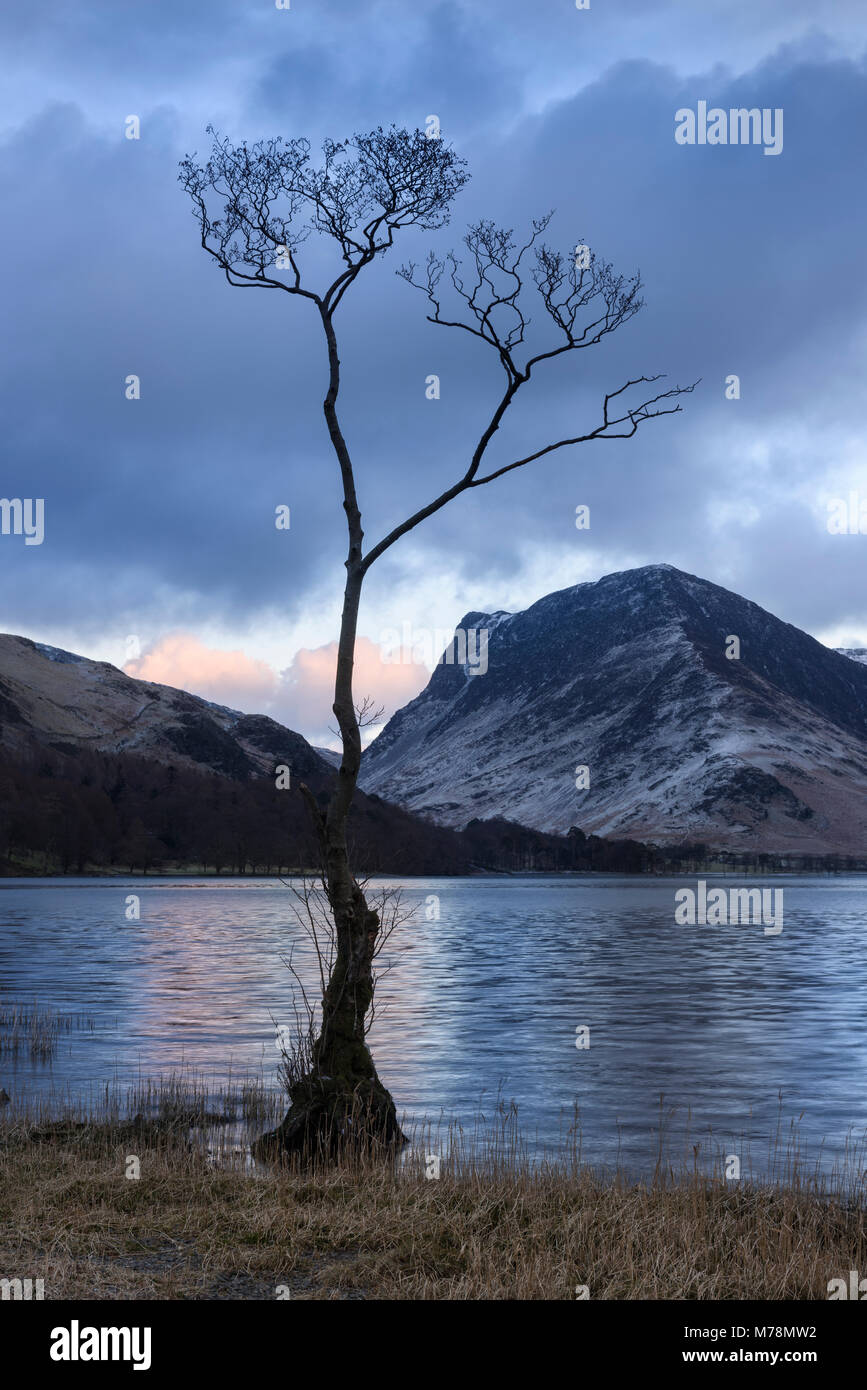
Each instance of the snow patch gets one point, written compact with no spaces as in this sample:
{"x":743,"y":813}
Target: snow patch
{"x":57,"y":653}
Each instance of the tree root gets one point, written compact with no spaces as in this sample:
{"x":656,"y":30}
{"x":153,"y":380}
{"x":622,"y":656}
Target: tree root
{"x":331,"y":1119}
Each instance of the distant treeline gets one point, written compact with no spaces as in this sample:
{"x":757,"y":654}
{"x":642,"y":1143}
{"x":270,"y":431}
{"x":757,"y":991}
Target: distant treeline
{"x":504,"y":846}
{"x":78,"y":811}
{"x":83,"y":811}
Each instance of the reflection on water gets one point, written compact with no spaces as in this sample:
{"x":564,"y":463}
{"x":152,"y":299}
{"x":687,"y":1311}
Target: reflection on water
{"x":485,"y":1000}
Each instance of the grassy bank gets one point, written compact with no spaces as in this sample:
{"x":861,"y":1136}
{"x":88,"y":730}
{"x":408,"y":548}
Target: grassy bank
{"x":489,"y":1227}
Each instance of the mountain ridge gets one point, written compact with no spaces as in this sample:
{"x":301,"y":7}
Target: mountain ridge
{"x":197,"y":731}
{"x":628,"y":675}
{"x":98,"y":768}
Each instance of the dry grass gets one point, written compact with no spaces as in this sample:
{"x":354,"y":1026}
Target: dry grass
{"x":491,"y":1226}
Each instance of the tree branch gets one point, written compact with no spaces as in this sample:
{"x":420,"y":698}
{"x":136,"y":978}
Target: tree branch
{"x":495,"y":315}
{"x":635,"y":415}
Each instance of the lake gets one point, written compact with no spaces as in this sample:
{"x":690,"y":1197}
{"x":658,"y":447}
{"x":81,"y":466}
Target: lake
{"x":736,"y":1029}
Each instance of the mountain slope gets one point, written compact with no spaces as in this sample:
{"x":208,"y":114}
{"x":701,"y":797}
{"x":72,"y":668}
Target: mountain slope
{"x":67,"y":701}
{"x":97,"y":768}
{"x":629,"y":676}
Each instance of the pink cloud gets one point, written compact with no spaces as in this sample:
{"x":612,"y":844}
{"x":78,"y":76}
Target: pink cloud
{"x":300,"y":696}
{"x":228,"y":678}
{"x":308,"y":685}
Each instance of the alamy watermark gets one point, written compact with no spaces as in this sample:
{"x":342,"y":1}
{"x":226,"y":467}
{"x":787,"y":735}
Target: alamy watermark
{"x":23,"y":517}
{"x":857,"y":1289}
{"x":22,"y":1290}
{"x":465,"y":647}
{"x":847,"y":516}
{"x":77,"y":1343}
{"x":721,"y":907}
{"x":737,"y":126}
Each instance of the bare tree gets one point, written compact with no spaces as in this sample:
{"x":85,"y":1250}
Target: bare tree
{"x":368,"y":189}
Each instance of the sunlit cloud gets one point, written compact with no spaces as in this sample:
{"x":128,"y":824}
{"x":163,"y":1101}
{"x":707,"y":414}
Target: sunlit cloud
{"x":228,"y":678}
{"x":299,"y":696}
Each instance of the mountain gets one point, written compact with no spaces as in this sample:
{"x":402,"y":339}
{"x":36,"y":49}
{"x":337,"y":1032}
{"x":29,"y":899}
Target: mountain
{"x":68,"y":703}
{"x":629,"y":676}
{"x":100,"y":770}
{"x":330,"y":755}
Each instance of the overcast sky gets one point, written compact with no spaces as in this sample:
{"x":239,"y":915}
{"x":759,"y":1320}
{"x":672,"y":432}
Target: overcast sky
{"x":160,"y":549}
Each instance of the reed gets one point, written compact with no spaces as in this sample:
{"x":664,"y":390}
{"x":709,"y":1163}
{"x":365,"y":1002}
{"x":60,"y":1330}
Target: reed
{"x":36,"y":1031}
{"x":502,"y":1220}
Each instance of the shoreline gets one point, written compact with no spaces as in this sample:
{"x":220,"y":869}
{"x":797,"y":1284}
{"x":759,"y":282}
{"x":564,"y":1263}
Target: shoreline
{"x":132,"y":1211}
{"x":711,"y":870}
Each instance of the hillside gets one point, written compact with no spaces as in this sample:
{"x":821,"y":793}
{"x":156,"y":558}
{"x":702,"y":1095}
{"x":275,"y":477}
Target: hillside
{"x":629,"y":677}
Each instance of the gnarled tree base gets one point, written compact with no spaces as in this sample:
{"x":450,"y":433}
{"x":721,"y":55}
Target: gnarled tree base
{"x":328,"y":1120}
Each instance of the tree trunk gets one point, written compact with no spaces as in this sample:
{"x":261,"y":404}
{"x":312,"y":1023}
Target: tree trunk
{"x":341,"y":1104}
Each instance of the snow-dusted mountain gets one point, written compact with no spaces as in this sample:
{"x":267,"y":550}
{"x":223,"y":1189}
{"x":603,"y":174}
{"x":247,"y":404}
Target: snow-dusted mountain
{"x":100,"y":769}
{"x":331,"y":756}
{"x":629,"y":677}
{"x":68,"y":702}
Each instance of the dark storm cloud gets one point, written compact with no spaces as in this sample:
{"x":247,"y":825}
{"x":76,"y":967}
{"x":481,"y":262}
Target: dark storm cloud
{"x":164,"y":506}
{"x":181,"y":484}
{"x":750,"y":266}
{"x":444,"y":65}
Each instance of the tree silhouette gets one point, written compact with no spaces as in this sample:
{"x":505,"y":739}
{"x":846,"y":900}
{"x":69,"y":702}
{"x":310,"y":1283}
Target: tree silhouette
{"x":255,"y":206}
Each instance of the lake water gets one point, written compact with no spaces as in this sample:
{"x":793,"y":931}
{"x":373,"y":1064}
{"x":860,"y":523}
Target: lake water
{"x":720,"y":1021}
